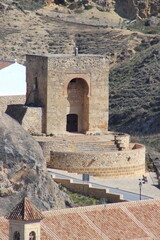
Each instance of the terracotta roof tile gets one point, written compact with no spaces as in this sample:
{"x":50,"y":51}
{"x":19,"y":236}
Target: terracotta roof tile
{"x":108,"y":222}
{"x":4,"y":64}
{"x":25,"y":211}
{"x":63,"y":225}
{"x":149,"y":216}
{"x":121,"y":221}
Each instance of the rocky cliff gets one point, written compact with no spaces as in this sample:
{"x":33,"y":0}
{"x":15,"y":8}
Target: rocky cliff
{"x":23,"y":170}
{"x":140,"y":9}
{"x":129,"y":9}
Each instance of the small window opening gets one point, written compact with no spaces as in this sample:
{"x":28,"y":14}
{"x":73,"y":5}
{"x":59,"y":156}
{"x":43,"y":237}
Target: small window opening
{"x":16,"y":236}
{"x":36,"y":84}
{"x":32,"y":236}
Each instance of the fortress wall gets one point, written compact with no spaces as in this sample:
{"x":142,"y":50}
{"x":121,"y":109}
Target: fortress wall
{"x":107,"y":164}
{"x":88,"y":190}
{"x":7,"y":100}
{"x":61,"y":146}
{"x":49,"y":144}
{"x":32,"y":121}
{"x":29,"y":117}
{"x":36,"y":78}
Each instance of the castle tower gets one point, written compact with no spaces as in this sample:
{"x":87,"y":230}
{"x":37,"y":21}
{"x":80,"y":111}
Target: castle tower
{"x":70,"y":90}
{"x":69,"y":94}
{"x":24,"y":222}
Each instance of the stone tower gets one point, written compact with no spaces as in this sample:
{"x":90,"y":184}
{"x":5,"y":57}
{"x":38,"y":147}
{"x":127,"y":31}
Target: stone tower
{"x":68,"y":94}
{"x":24,"y":222}
{"x":71,"y":92}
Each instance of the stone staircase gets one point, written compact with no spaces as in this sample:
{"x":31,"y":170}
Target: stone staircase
{"x":91,"y":143}
{"x":96,"y":147}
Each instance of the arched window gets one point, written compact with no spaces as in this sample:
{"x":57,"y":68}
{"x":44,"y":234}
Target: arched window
{"x":16,"y":236}
{"x":32,"y":236}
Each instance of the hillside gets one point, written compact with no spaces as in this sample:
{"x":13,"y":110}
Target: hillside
{"x":53,"y":30}
{"x":133,"y":49}
{"x":135,"y":92}
{"x":129,"y":9}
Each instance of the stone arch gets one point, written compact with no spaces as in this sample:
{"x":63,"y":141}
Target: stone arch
{"x":69,"y":77}
{"x":78,"y":104}
{"x":16,"y":235}
{"x":32,"y":235}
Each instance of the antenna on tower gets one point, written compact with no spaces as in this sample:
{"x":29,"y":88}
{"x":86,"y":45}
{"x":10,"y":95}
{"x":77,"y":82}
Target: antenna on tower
{"x":76,"y":51}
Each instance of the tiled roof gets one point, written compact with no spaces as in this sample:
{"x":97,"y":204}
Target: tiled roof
{"x":25,"y":211}
{"x":120,"y":221}
{"x":4,"y":64}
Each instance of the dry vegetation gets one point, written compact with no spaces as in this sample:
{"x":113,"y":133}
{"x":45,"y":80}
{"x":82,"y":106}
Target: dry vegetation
{"x":134,"y":85}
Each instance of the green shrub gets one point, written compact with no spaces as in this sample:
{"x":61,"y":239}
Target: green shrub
{"x":81,"y":200}
{"x":79,"y":11}
{"x":88,"y":7}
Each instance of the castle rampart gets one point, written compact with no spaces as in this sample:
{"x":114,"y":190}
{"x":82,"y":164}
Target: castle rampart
{"x":103,"y":164}
{"x":67,"y":98}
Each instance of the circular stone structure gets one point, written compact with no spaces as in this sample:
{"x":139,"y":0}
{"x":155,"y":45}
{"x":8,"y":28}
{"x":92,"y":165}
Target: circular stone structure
{"x":108,"y":155}
{"x":68,"y":98}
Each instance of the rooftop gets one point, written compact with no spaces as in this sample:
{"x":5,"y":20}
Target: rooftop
{"x":67,"y":55}
{"x":128,"y":221}
{"x":4,"y":64}
{"x":25,"y":211}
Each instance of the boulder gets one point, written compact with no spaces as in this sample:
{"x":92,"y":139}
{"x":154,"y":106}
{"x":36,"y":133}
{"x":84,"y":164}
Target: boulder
{"x":23,"y":170}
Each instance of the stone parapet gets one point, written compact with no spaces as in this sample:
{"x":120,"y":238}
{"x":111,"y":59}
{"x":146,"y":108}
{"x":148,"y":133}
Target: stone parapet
{"x":127,"y":163}
{"x":89,"y":190}
{"x":81,"y":143}
{"x":15,"y":99}
{"x":29,"y":117}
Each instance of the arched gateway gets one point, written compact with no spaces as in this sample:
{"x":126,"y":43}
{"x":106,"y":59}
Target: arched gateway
{"x":78,"y":106}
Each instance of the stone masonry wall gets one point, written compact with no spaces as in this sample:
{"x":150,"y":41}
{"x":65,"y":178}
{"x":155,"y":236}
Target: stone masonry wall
{"x":94,"y":70}
{"x":122,"y":141}
{"x":60,"y":144}
{"x":88,"y":190}
{"x":48,"y":146}
{"x":107,"y":164}
{"x":36,"y":77}
{"x":32,"y":121}
{"x":29,"y":117}
{"x":7,"y":100}
{"x":47,"y":82}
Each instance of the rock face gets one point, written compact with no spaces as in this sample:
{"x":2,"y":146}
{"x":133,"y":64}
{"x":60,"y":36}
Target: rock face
{"x":137,"y":8}
{"x":23,"y":170}
{"x":130,"y":9}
